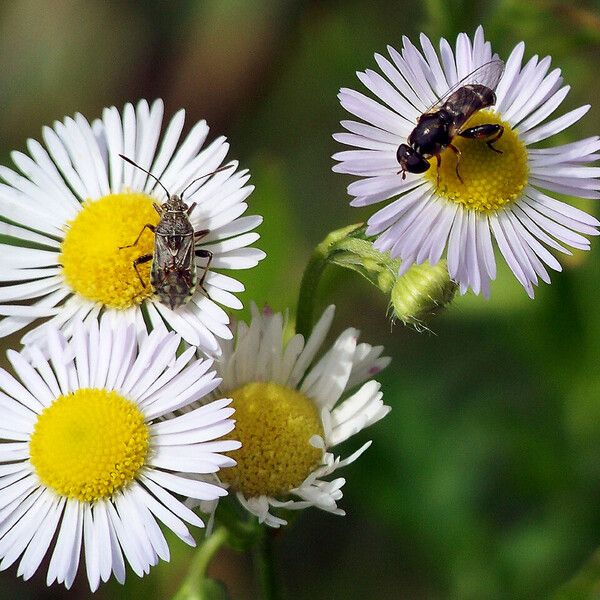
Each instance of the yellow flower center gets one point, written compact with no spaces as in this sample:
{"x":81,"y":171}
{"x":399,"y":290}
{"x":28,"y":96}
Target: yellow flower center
{"x":89,"y":444}
{"x":489,"y":180}
{"x":274,"y":424}
{"x":94,"y":264}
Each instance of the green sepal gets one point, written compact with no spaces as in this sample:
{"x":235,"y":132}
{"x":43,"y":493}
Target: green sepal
{"x":415,"y":297}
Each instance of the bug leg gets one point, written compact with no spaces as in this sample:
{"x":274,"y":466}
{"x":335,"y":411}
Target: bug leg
{"x":191,"y":208}
{"x":209,"y":255}
{"x":458,"y":155}
{"x":488,"y":133}
{"x":438,"y":158}
{"x":198,"y":235}
{"x":140,"y":260}
{"x":137,"y":239}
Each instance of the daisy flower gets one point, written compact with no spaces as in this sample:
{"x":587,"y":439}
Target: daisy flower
{"x":289,"y":414}
{"x":76,"y":203}
{"x":93,"y":456}
{"x":506,"y":196}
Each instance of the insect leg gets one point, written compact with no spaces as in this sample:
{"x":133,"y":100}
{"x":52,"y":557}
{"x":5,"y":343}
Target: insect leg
{"x":191,"y":208}
{"x":137,"y":239}
{"x":488,"y":133}
{"x":438,"y":158}
{"x":198,"y":235}
{"x":140,"y":260}
{"x":458,"y":155}
{"x":209,"y":255}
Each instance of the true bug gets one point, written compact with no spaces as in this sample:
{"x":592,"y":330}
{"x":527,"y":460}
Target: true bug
{"x":437,"y":126}
{"x":173,"y":275}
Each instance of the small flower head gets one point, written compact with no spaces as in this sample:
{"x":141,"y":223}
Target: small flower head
{"x":421,"y":293}
{"x":94,"y":457}
{"x":501,"y":193}
{"x":79,"y":208}
{"x":291,"y":412}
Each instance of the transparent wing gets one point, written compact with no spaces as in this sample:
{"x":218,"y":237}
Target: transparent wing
{"x":487,"y":74}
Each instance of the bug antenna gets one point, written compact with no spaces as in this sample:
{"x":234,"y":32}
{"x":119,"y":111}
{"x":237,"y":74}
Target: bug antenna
{"x":147,"y":172}
{"x":187,"y":187}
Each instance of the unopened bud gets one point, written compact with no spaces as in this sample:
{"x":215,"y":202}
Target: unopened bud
{"x":421,"y":293}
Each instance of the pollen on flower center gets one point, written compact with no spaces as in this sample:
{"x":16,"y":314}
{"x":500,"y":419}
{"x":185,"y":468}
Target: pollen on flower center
{"x":89,"y":444}
{"x":94,"y":264}
{"x":274,"y":424}
{"x":489,"y":180}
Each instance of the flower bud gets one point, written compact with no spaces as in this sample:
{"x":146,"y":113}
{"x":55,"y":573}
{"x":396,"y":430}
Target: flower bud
{"x":421,"y":293}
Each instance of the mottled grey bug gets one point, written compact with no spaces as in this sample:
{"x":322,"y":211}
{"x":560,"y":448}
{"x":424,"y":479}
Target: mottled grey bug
{"x":173,"y":274}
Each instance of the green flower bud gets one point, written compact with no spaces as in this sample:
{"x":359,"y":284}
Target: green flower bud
{"x":415,"y":297}
{"x":421,"y":293}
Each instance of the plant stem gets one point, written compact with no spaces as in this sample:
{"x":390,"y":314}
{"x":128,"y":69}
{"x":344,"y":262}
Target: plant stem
{"x":191,"y":585}
{"x":312,"y":275}
{"x":265,"y":568}
{"x":306,"y":297}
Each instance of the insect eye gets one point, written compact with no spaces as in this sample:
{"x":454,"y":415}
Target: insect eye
{"x":410,"y":160}
{"x":403,"y":152}
{"x":416,"y":164}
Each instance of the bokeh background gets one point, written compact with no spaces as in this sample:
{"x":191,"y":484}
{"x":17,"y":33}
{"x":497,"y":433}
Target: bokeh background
{"x":484,"y":482}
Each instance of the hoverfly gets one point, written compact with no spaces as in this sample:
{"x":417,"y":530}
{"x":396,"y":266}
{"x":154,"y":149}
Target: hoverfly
{"x":173,"y":275}
{"x":438,"y":125}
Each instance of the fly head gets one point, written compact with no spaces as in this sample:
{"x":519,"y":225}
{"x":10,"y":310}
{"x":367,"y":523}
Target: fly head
{"x":410,"y":160}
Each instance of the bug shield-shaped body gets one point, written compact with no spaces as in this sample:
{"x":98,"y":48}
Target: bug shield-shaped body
{"x":173,"y":275}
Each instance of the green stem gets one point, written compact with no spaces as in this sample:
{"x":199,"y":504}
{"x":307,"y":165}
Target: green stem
{"x":242,"y":534}
{"x":312,"y":275}
{"x":265,"y":568}
{"x":306,"y":297}
{"x":191,"y":586}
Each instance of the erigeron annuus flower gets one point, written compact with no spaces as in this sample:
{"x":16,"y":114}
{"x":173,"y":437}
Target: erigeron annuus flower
{"x":94,"y":457}
{"x":506,"y":196}
{"x":290,"y":413}
{"x":76,"y":203}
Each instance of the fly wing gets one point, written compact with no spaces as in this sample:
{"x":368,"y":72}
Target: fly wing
{"x":487,"y":74}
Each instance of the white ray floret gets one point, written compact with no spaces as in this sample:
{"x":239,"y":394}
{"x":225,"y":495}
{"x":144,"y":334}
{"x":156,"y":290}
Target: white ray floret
{"x":123,"y":527}
{"x":422,"y":224}
{"x":338,"y":384}
{"x":79,"y":161}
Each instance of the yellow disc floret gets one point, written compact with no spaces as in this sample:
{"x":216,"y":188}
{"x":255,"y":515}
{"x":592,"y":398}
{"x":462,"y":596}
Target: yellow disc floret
{"x":95,"y":265}
{"x":490,"y":180}
{"x":89,"y":444}
{"x":274,"y":424}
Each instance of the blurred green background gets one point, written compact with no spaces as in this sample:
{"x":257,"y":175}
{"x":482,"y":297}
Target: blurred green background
{"x":484,"y":482}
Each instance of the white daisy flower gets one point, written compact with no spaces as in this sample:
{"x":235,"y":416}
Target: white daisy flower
{"x":76,"y":203}
{"x":94,"y":456}
{"x":505,"y":195}
{"x":289,"y":414}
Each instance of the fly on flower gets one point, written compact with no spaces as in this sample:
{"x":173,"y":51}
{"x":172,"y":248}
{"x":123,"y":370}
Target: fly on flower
{"x":504,"y":196}
{"x":173,"y":275}
{"x":437,"y":127}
